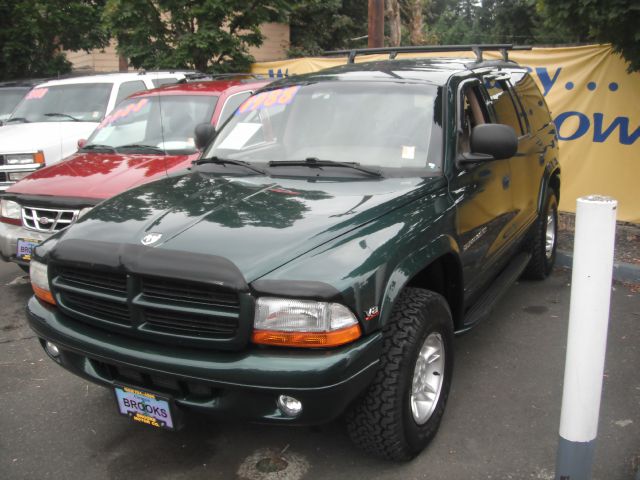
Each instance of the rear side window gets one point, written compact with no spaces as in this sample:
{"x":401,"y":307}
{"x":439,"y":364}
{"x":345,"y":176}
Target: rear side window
{"x":157,"y":82}
{"x":129,"y":88}
{"x":230,"y":106}
{"x":503,"y":104}
{"x":532,"y":100}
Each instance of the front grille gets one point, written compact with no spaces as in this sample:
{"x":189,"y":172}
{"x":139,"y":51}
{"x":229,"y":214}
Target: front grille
{"x":114,"y":282}
{"x":3,"y":177}
{"x":163,"y":289}
{"x":164,"y":310}
{"x":104,"y":309}
{"x":47,"y":220}
{"x":188,"y":324}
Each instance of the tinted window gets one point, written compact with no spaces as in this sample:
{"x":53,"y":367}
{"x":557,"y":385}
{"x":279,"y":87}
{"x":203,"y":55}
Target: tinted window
{"x":165,"y":122}
{"x":503,"y":105}
{"x":157,"y":82}
{"x":532,"y":100}
{"x":472,"y":112}
{"x":86,"y":102}
{"x":230,"y":106}
{"x":9,"y":98}
{"x":129,"y":88}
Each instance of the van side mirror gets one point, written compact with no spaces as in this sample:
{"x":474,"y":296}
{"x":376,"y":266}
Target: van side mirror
{"x":491,"y":141}
{"x":204,"y":134}
{"x":82,"y":142}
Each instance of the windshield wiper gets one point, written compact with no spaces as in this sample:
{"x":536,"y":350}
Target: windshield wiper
{"x":141,"y":146}
{"x":225,"y":161}
{"x":314,"y":162}
{"x":56,"y":114}
{"x":95,"y":146}
{"x":17,"y":119}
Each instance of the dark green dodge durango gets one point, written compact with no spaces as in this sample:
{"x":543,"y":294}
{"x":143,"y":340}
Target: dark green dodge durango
{"x":320,"y":255}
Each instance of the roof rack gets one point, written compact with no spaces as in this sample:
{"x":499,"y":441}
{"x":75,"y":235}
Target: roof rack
{"x":195,"y":77}
{"x":478,"y":49}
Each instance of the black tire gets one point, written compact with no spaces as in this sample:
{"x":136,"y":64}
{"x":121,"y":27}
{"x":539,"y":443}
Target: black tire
{"x":541,"y":264}
{"x":381,"y":422}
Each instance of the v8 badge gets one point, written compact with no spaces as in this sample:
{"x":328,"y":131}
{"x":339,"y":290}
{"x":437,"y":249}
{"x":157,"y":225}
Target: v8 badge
{"x":372,"y":313}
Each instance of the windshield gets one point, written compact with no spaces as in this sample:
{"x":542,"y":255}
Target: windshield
{"x":166,"y":122}
{"x":9,"y":98}
{"x":380,"y":124}
{"x":84,"y":102}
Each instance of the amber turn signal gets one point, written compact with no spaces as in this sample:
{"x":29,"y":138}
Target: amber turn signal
{"x":38,"y":157}
{"x":307,"y":339}
{"x":43,"y":294}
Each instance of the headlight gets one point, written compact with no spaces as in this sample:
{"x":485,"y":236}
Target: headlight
{"x":303,"y":323}
{"x":10,"y":209}
{"x":17,"y":176}
{"x":40,"y":281}
{"x":24,"y":158}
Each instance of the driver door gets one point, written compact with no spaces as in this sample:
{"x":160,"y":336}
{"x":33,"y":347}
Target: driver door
{"x":482,"y":195}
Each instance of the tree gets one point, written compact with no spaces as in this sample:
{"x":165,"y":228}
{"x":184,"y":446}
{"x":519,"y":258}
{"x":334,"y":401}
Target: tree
{"x":208,"y":35}
{"x":319,"y":25}
{"x":612,"y":21}
{"x":392,"y":12}
{"x":34,"y":32}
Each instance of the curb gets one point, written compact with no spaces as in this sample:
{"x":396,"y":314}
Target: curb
{"x":622,"y":272}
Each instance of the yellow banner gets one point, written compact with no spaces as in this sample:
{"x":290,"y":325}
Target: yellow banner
{"x":595,"y":104}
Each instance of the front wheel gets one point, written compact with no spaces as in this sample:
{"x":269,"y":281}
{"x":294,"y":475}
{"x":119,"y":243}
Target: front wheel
{"x":401,"y":411}
{"x":543,"y":240}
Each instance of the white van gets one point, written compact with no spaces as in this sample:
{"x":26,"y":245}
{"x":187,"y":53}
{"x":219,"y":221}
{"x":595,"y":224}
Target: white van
{"x":46,"y":125}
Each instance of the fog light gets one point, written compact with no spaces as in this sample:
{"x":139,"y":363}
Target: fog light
{"x":290,"y":406}
{"x":52,"y":349}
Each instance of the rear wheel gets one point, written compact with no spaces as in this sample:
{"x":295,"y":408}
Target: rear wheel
{"x":401,"y":411}
{"x":543,"y":240}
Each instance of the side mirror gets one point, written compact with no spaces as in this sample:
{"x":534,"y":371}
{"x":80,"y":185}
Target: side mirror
{"x":491,"y":141}
{"x":204,"y":134}
{"x":82,"y":142}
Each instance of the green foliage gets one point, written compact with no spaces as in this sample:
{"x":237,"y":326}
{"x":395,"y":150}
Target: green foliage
{"x":319,"y":25}
{"x":208,"y":35}
{"x":33,"y":33}
{"x":608,"y":21}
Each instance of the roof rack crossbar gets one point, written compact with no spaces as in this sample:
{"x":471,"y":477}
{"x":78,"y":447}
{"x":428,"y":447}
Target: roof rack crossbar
{"x":478,"y":49}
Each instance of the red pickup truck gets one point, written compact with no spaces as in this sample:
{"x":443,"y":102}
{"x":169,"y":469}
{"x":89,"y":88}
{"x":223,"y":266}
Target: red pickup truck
{"x":149,"y":135}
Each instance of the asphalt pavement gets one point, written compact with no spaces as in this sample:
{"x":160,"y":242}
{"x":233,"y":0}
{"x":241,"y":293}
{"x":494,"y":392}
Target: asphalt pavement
{"x":501,"y":421}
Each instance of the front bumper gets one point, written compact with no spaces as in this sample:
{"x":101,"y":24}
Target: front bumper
{"x":9,"y":235}
{"x":243,"y":385}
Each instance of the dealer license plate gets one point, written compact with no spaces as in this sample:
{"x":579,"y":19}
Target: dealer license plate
{"x":144,"y":407}
{"x":25,"y":248}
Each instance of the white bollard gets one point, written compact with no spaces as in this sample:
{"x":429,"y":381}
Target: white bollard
{"x":587,"y":339}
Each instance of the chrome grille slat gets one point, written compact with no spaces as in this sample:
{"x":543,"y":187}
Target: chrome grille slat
{"x":33,"y":218}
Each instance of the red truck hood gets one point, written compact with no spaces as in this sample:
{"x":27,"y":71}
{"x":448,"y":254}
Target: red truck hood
{"x":98,"y":175}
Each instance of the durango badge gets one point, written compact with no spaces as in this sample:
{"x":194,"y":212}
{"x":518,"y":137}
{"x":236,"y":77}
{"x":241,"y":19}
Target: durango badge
{"x":151,"y":238}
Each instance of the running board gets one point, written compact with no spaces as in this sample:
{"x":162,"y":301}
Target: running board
{"x":482,"y":308}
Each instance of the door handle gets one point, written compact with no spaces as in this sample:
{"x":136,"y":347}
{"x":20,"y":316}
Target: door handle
{"x":505,"y":182}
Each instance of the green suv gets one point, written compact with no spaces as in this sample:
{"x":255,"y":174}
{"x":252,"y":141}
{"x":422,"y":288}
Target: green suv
{"x":319,"y":257}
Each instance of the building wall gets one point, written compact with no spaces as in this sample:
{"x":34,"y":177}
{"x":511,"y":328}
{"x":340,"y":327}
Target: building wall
{"x":96,"y":60}
{"x":275,"y":47}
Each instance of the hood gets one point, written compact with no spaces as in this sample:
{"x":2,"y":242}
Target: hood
{"x":56,"y":139}
{"x":98,"y":175}
{"x":257,"y":223}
